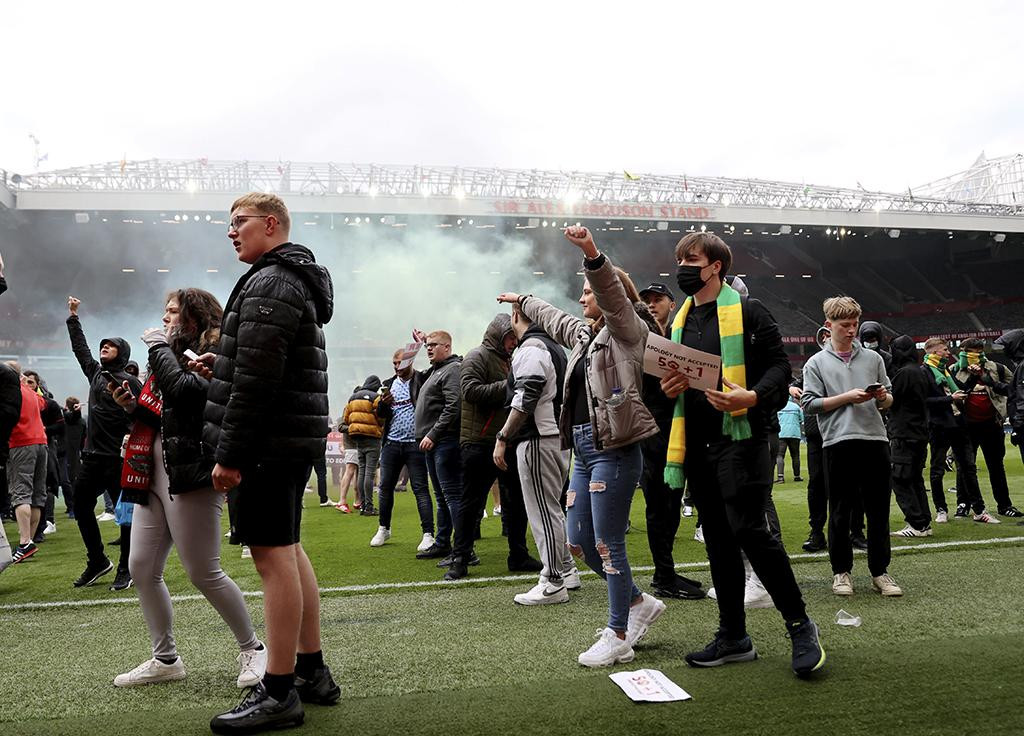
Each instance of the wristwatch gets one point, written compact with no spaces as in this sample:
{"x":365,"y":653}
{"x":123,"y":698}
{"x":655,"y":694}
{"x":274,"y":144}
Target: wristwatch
{"x":501,"y":436}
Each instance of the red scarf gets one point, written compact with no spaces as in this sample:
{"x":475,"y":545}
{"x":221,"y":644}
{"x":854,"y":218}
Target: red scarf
{"x":137,"y":470}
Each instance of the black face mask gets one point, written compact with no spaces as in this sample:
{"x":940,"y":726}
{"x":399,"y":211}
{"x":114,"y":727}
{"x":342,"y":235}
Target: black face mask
{"x":689,"y":280}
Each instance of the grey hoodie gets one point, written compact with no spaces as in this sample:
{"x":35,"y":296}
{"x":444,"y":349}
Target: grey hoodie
{"x":826,"y":374}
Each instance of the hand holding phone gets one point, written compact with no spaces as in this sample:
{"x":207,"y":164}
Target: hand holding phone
{"x":874,"y":388}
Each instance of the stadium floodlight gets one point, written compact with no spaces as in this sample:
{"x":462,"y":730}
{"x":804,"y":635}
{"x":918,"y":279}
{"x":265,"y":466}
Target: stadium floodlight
{"x":82,"y":218}
{"x":828,"y":231}
{"x":999,"y":237}
{"x":894,"y":233}
{"x":785,"y":229}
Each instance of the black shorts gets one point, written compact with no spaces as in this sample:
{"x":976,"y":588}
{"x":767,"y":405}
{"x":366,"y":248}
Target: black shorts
{"x":268,"y":504}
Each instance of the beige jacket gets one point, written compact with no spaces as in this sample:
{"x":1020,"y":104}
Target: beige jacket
{"x":614,"y":359}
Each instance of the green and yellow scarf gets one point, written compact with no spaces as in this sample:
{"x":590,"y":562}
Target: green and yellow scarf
{"x":734,"y":424}
{"x":942,"y":377}
{"x":966,"y":359}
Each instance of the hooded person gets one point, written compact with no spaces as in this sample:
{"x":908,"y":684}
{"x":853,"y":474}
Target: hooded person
{"x":908,"y":437}
{"x":101,"y":459}
{"x":482,"y":382}
{"x":363,"y":429}
{"x":872,"y":336}
{"x":1012,"y":344}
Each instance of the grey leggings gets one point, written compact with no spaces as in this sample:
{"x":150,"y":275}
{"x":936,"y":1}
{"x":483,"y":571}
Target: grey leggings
{"x":191,"y":522}
{"x":369,"y":456}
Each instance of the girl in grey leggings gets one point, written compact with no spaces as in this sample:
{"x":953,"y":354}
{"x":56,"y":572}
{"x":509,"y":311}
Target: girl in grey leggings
{"x":181,"y":508}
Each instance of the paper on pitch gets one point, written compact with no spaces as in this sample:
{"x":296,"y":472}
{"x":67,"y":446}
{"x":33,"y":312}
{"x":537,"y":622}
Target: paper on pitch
{"x":649,"y":686}
{"x":663,"y":355}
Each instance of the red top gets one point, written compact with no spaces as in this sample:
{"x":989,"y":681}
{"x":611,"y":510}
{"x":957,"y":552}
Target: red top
{"x":979,"y":408}
{"x":29,"y":430}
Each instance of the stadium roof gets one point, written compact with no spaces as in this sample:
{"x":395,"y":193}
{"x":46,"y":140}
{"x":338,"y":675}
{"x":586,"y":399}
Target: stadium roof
{"x":985,"y":198}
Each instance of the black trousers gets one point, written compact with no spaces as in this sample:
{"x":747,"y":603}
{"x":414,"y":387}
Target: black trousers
{"x":478,"y":475}
{"x":941,"y":441}
{"x":792,"y":444}
{"x":320,"y":468}
{"x":817,"y":488}
{"x":908,"y":458}
{"x":858,"y":469}
{"x":663,"y":508}
{"x":989,"y":436}
{"x":98,"y":473}
{"x":730,"y":483}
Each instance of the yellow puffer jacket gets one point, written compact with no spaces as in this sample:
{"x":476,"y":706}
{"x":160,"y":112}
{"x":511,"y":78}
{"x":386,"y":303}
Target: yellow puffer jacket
{"x":361,"y":411}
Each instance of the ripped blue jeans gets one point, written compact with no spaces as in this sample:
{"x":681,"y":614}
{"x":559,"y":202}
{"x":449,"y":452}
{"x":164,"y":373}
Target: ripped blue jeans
{"x":600,"y":494}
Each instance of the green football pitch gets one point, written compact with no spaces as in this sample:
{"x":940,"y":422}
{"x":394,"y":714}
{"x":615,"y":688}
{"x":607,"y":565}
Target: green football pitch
{"x":417,"y":656}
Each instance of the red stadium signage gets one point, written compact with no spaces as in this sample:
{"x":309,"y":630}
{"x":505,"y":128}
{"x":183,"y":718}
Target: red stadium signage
{"x":555,"y":207}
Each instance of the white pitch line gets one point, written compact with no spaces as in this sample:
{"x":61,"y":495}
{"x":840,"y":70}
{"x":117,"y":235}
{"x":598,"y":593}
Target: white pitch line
{"x":370,"y":587}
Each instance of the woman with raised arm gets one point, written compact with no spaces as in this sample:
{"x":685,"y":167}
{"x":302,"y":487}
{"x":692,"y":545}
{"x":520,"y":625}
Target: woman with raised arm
{"x":603,"y":419}
{"x":167,"y":474}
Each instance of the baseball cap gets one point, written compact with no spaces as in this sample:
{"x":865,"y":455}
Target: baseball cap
{"x":657,"y":288}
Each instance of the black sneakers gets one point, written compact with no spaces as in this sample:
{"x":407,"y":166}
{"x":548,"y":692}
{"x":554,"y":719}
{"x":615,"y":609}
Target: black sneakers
{"x":23,"y":551}
{"x":526,"y":564}
{"x":93,"y":573}
{"x":122,"y":580}
{"x":858,"y":541}
{"x":260,"y":712}
{"x":815,"y":542}
{"x":321,"y":689}
{"x":722,"y":651}
{"x":962,"y":511}
{"x":808,"y":654}
{"x":471,"y":561}
{"x":1012,"y":512}
{"x":434,"y":551}
{"x":680,"y":587}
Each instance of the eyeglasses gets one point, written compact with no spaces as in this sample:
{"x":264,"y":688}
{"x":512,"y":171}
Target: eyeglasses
{"x":238,"y":220}
{"x":432,"y":345}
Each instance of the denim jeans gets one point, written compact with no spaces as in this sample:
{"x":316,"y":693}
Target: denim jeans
{"x":600,"y":493}
{"x":444,"y":463}
{"x":369,"y":456}
{"x":393,"y":456}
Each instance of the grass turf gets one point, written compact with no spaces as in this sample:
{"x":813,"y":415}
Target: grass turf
{"x":945,"y":659}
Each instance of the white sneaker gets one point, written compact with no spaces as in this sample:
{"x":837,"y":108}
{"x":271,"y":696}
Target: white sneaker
{"x":572,"y":579}
{"x":227,"y":534}
{"x":909,"y":532}
{"x":755,"y":595}
{"x":699,"y":534}
{"x":942,"y":517}
{"x":712,"y":594}
{"x":105,"y":516}
{"x":842,"y":584}
{"x":252,"y":666}
{"x":383,"y":534}
{"x":687,"y":511}
{"x":151,"y":671}
{"x":246,"y":552}
{"x":50,"y":528}
{"x":885,"y":585}
{"x":986,"y":518}
{"x":641,"y":616}
{"x":427,"y":543}
{"x":609,"y":649}
{"x":542,"y":594}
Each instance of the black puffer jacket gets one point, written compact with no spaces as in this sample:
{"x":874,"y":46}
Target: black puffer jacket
{"x":482,"y":381}
{"x":268,"y":396}
{"x":10,"y":406}
{"x":108,"y":424}
{"x":187,"y":460}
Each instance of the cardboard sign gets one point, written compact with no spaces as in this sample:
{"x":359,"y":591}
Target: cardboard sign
{"x":409,"y":353}
{"x":335,"y":455}
{"x":649,"y":686}
{"x":663,"y":356}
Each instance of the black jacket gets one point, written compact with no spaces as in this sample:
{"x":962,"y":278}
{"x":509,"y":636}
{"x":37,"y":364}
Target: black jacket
{"x":268,"y":396}
{"x":908,"y":415}
{"x":108,"y":423}
{"x":482,"y":382}
{"x":187,"y":460}
{"x":439,"y":404}
{"x":384,"y":410}
{"x":1012,"y":343}
{"x":10,"y":406}
{"x":74,"y":440}
{"x":940,"y":404}
{"x":768,"y":371}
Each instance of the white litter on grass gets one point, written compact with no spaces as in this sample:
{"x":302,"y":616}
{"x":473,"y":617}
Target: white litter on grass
{"x":847,"y":619}
{"x":649,"y":686}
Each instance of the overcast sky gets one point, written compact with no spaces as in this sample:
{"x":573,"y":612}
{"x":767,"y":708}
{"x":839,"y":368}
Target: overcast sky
{"x":888,"y":94}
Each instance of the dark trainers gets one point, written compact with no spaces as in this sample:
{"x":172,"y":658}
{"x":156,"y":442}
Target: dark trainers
{"x":122,"y":580}
{"x":93,"y":573}
{"x":434,"y":551}
{"x":23,"y":551}
{"x":448,"y":561}
{"x":808,"y":654}
{"x":1012,"y":512}
{"x":815,"y":542}
{"x":962,"y":511}
{"x":722,"y":651}
{"x":457,"y":570}
{"x":260,"y":712}
{"x":321,"y":689}
{"x":526,"y":564}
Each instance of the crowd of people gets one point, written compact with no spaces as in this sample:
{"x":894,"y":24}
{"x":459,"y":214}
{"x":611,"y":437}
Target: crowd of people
{"x":552,"y":407}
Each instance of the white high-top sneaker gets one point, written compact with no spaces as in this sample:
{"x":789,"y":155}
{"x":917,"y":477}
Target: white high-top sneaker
{"x":383,"y":534}
{"x":427,"y":543}
{"x":609,"y":649}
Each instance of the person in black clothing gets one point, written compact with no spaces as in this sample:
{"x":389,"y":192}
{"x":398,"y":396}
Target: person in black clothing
{"x":662,"y":504}
{"x":101,"y":460}
{"x":266,"y":420}
{"x":908,"y":437}
{"x":75,"y":427}
{"x":726,"y":460}
{"x":1012,"y":343}
{"x":872,"y":337}
{"x":946,"y":432}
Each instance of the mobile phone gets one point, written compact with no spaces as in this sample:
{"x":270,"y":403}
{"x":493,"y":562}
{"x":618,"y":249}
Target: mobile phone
{"x":191,"y":354}
{"x":109,"y":378}
{"x":873,"y":388}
